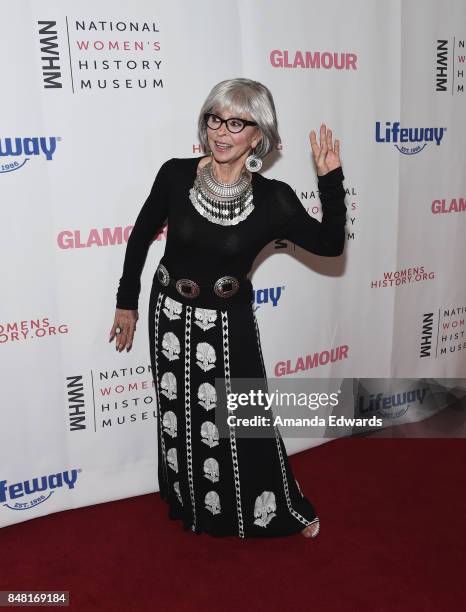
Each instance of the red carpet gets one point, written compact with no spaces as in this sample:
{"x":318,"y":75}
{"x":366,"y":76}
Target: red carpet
{"x":392,"y":538}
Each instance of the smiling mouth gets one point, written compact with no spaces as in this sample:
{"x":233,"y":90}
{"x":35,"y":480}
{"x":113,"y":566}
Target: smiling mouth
{"x":222,"y":145}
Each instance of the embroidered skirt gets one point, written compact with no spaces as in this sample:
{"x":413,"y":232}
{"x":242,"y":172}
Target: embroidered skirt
{"x":225,"y":485}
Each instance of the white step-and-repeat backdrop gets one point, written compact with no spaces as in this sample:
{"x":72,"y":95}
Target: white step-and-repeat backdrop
{"x":97,"y":95}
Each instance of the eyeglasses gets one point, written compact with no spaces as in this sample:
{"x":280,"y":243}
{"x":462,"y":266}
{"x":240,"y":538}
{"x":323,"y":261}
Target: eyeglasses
{"x":234,"y":124}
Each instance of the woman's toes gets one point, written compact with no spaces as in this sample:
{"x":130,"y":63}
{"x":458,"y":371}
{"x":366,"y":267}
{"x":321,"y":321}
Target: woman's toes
{"x":311,"y":530}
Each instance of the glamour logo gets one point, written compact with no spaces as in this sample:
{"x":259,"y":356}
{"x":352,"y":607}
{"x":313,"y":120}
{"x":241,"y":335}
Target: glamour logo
{"x":107,"y":236}
{"x":313,"y":59}
{"x":393,"y":133}
{"x":42,"y":488}
{"x":448,"y":206}
{"x":267,"y":295}
{"x":25,"y":148}
{"x":308,"y":362}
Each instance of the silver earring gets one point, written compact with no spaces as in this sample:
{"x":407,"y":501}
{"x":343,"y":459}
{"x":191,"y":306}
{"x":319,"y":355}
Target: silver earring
{"x":253,"y":163}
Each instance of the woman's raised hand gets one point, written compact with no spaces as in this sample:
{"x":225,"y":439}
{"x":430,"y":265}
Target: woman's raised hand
{"x":327,"y":156}
{"x":125,"y":322}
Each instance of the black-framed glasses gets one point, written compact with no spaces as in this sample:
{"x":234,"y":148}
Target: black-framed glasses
{"x":234,"y":124}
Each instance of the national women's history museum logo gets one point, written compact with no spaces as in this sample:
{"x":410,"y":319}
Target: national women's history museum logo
{"x":103,"y":399}
{"x":448,"y":66}
{"x":16,"y":151}
{"x":87,"y":55}
{"x":408,"y":140}
{"x":442,"y":332}
{"x":28,"y":494}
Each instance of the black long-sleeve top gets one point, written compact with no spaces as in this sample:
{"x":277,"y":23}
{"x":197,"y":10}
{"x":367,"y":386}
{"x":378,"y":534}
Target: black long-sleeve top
{"x":198,"y":248}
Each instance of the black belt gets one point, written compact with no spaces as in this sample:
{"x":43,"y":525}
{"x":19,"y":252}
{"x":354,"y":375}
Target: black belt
{"x":224,"y":287}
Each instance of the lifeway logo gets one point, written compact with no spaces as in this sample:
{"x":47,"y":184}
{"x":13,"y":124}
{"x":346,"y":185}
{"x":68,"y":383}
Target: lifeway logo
{"x":417,"y":137}
{"x":38,"y":489}
{"x":17,"y":151}
{"x":267,"y":295}
{"x":392,"y":405}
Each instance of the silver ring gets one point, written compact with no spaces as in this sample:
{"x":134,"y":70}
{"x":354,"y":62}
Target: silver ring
{"x":226,"y":286}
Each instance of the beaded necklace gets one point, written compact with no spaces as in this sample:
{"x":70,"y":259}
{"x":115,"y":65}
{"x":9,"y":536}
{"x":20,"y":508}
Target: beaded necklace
{"x":221,"y":203}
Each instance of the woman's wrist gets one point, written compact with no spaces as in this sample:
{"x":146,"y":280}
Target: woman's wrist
{"x":332,"y":176}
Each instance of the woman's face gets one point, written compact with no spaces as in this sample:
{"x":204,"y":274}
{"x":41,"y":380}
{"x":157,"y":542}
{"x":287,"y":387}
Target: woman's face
{"x":235,"y":145}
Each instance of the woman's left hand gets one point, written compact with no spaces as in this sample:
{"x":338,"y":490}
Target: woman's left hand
{"x":327,"y":156}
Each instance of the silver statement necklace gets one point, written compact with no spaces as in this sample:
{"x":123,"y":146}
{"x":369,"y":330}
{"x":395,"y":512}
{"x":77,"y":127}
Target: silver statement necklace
{"x":221,"y":203}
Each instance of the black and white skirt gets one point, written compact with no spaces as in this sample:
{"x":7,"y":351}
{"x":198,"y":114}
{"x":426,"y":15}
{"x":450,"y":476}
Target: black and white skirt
{"x":225,"y":485}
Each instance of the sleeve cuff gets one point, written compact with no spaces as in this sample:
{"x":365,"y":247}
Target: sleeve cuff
{"x":333,"y":177}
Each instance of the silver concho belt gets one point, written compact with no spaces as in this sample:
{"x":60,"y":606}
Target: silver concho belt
{"x":224,"y":287}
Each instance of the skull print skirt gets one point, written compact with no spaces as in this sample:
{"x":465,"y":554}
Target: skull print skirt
{"x":213,"y":479}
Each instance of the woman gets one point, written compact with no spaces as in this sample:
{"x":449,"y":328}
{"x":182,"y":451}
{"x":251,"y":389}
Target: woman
{"x":202,"y":326}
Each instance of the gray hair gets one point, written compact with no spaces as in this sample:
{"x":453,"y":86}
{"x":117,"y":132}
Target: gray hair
{"x":241,"y":96}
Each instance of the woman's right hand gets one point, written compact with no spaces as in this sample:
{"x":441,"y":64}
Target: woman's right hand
{"x":125,"y":321}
